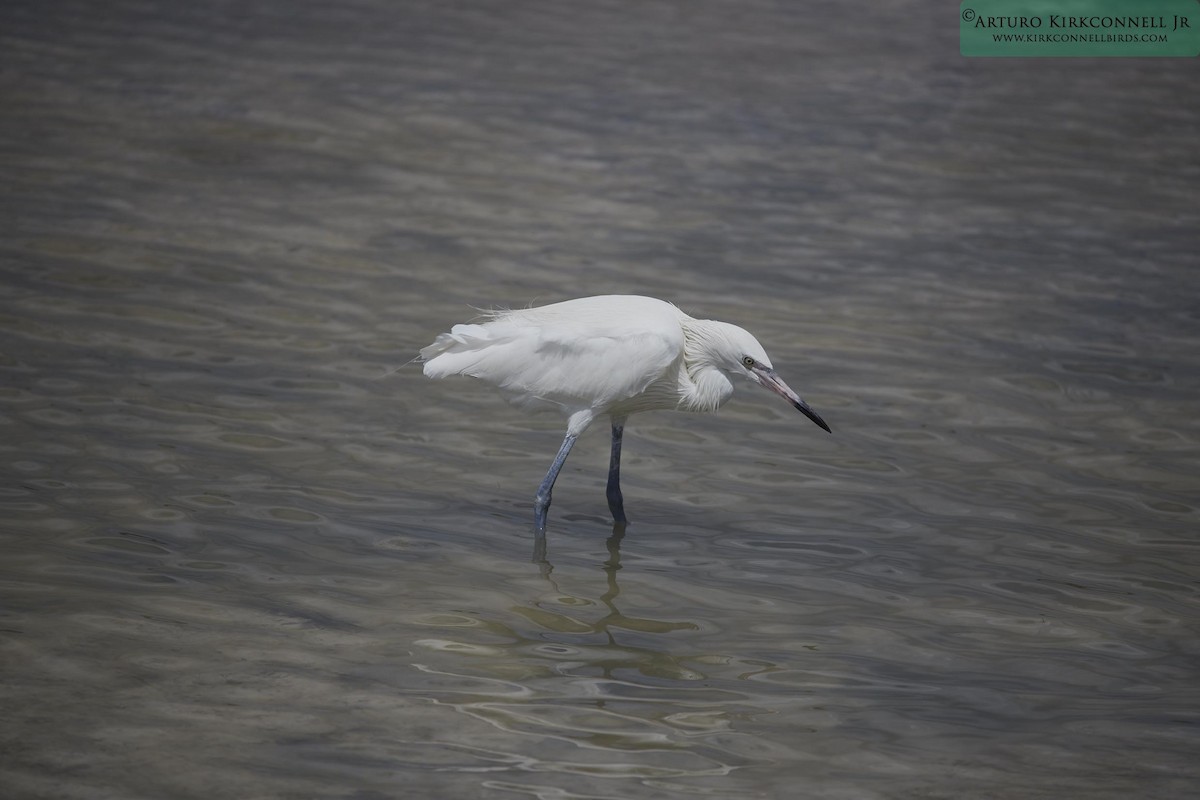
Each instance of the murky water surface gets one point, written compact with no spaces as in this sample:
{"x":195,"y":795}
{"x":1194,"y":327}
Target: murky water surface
{"x":247,"y":553}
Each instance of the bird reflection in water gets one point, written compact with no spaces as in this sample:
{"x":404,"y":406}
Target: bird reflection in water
{"x":613,"y":543}
{"x":562,"y":678}
{"x":646,"y":660}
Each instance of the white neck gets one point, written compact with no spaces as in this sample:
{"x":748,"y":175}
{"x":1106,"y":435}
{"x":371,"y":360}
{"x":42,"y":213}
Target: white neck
{"x":706,"y":387}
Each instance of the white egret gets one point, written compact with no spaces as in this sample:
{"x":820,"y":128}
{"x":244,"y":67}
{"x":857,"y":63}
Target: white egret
{"x":612,"y":354}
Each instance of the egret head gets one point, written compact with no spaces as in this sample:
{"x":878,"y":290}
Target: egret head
{"x":739,"y":353}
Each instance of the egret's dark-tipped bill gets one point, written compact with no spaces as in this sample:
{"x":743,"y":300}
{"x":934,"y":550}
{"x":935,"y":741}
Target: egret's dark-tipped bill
{"x":770,"y":380}
{"x":804,"y":409}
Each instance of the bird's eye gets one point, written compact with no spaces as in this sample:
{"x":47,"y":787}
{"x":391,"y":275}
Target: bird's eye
{"x":748,"y":362}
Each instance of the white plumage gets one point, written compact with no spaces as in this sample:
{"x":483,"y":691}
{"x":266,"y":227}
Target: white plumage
{"x":611,"y":354}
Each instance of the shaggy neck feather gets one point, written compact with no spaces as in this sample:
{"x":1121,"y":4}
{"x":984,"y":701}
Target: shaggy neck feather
{"x":706,"y":386}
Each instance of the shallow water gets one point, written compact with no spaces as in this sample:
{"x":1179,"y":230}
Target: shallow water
{"x":251,"y":553}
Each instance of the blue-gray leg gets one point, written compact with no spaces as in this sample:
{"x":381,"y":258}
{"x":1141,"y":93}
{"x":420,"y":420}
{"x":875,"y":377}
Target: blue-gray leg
{"x":541,"y":503}
{"x":616,"y":503}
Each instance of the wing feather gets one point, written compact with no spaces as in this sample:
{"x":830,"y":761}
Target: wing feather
{"x":590,"y":353}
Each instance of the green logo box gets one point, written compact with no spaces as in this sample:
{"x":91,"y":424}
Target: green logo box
{"x":1080,"y":28}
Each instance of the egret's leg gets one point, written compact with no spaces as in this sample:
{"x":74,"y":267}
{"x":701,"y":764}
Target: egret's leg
{"x":541,"y":503}
{"x":616,"y":503}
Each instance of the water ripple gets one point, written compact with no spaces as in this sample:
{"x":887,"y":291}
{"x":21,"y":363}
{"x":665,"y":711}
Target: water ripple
{"x":250,"y":551}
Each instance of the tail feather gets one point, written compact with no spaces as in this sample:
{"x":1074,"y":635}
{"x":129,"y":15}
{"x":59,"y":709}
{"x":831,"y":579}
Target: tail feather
{"x":462,"y":335}
{"x":459,"y":351}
